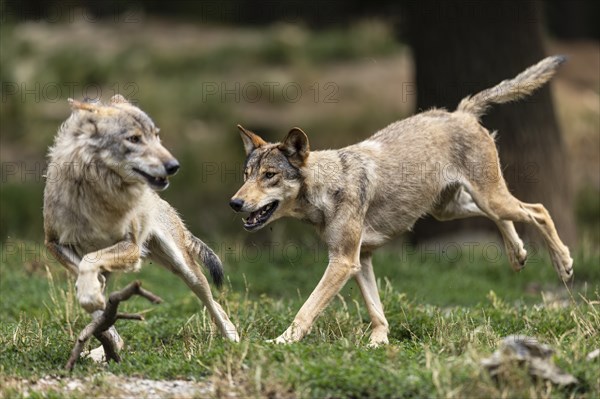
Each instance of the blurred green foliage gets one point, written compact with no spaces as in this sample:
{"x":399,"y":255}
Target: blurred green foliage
{"x":196,"y":84}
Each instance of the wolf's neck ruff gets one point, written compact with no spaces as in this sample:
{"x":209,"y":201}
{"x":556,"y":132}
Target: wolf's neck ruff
{"x":76,"y":168}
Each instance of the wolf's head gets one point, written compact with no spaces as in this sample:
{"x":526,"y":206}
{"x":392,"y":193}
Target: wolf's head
{"x":123,"y":138}
{"x":272,"y":177}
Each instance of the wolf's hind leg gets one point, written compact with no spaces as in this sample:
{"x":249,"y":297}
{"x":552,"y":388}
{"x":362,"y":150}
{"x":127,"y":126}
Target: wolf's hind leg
{"x":495,"y":200}
{"x":457,"y":203}
{"x":368,"y":287}
{"x":176,"y":258}
{"x":515,"y":250}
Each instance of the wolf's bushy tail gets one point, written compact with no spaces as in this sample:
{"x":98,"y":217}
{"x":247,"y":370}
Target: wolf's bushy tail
{"x":207,"y":257}
{"x":514,"y":89}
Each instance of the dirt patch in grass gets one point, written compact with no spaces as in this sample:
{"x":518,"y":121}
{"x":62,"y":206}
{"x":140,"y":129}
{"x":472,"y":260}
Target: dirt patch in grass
{"x":109,"y":385}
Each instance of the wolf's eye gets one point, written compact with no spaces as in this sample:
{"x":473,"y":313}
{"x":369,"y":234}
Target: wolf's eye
{"x":133,"y":139}
{"x":269,"y":175}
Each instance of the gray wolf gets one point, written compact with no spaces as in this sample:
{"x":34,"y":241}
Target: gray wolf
{"x":102,"y":213}
{"x":360,"y":196}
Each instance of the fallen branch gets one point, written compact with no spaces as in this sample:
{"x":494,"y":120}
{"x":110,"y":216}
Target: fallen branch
{"x":99,"y":326}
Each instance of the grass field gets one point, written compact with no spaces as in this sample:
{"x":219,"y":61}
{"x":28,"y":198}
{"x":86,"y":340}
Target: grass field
{"x":446,"y":313}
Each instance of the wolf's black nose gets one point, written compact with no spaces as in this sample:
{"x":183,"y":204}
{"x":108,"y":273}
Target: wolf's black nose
{"x":172,"y":167}
{"x":237,"y":204}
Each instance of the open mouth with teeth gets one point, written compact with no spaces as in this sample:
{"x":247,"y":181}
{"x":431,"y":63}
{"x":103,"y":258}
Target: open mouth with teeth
{"x":258,"y":218}
{"x":157,"y":183}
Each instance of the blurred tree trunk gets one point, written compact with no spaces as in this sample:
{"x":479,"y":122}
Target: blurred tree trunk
{"x":461,"y":48}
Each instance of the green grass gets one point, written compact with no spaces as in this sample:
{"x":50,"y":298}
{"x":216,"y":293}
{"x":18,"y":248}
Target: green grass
{"x":444,"y":316}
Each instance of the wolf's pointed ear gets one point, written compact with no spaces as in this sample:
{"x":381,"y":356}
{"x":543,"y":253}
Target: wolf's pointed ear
{"x":75,"y":105}
{"x":295,"y":146}
{"x":251,"y":140}
{"x":118,"y":99}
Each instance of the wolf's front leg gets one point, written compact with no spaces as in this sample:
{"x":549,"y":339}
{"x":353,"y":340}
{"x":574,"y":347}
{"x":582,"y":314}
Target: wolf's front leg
{"x":338,"y":272}
{"x":69,"y":259}
{"x":64,"y":255}
{"x":124,"y":255}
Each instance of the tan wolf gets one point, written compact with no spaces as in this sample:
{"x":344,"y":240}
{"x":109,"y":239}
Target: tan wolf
{"x":358,"y":197}
{"x":101,"y":211}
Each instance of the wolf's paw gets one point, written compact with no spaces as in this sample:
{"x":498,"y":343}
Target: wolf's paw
{"x":279,"y":340}
{"x":517,"y":259}
{"x":563,"y":263}
{"x":232,"y":335}
{"x":294,"y":333}
{"x":91,"y":301}
{"x":283,"y":339}
{"x":565,"y":268}
{"x":228,"y":330}
{"x":516,"y":254}
{"x":89,"y":291}
{"x":378,"y":338}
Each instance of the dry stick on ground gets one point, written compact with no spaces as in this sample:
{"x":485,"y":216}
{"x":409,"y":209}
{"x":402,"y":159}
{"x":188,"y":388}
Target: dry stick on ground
{"x":98,"y":327}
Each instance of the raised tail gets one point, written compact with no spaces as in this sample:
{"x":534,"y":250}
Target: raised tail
{"x":514,"y":89}
{"x":207,"y":257}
